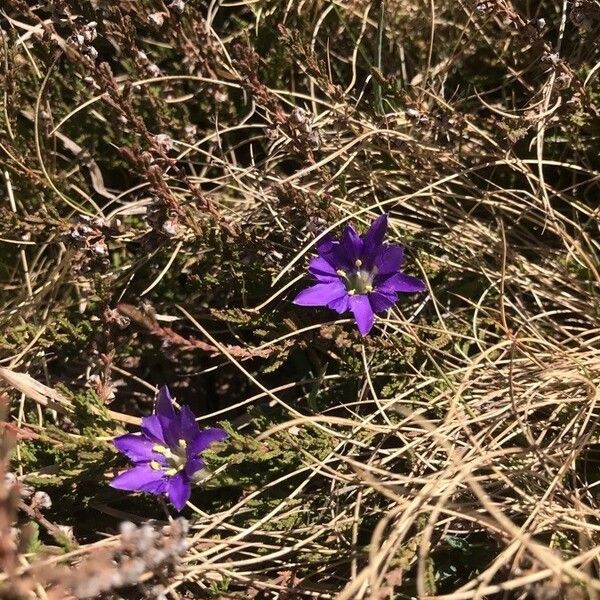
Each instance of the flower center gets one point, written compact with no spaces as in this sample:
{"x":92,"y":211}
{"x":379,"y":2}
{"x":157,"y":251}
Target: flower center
{"x":359,"y":280}
{"x":176,"y":458}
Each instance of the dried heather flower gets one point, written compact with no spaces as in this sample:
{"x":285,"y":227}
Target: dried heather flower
{"x":360,"y":274}
{"x":582,"y":14}
{"x":143,"y":550}
{"x":67,"y":531}
{"x":166,"y":455}
{"x":178,"y":5}
{"x":158,"y":18}
{"x":89,"y":32}
{"x":41,"y":501}
{"x":164,"y":141}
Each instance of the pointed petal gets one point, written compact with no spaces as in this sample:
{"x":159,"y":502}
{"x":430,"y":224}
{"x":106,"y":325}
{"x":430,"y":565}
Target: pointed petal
{"x":179,"y":490}
{"x":140,"y":479}
{"x":340,"y":305}
{"x":350,"y":248}
{"x":152,"y":428}
{"x":192,"y":466}
{"x":320,"y":294}
{"x":137,"y":448}
{"x":164,"y":403}
{"x":187,"y":423}
{"x":326,"y":244}
{"x":161,"y":430}
{"x":363,"y":313}
{"x":400,"y":282}
{"x":381,"y":301}
{"x":390,"y":259}
{"x":327,"y":251}
{"x":206,"y":438}
{"x":322,"y":270}
{"x":373,"y":238}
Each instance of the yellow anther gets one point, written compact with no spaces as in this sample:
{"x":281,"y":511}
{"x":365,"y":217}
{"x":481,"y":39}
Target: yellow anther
{"x":166,"y":452}
{"x":182,"y":444}
{"x":155,"y":465}
{"x":171,"y":472}
{"x":342,"y":273}
{"x":369,"y":287}
{"x":351,"y":292}
{"x":358,"y":263}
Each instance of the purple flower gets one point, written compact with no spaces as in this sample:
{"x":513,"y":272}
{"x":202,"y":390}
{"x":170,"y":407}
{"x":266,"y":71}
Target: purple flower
{"x":166,"y":455}
{"x":358,"y":273}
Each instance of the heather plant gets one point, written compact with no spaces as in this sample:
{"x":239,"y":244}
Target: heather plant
{"x":358,"y":240}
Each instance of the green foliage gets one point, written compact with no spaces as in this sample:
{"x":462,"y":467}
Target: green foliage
{"x":185,"y":155}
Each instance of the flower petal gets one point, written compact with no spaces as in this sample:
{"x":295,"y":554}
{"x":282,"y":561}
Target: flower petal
{"x":326,"y":244}
{"x":381,"y":301}
{"x":340,"y":305}
{"x":320,"y":294}
{"x":349,"y":249}
{"x":141,"y":478}
{"x":161,"y":429}
{"x":328,"y":253}
{"x":206,"y":438}
{"x":322,"y":269}
{"x":164,"y":403}
{"x":152,"y":428}
{"x":192,"y":466}
{"x":137,"y":448}
{"x":363,"y":313}
{"x":187,"y":424}
{"x":390,"y":259}
{"x":373,"y":238}
{"x":399,"y":282}
{"x":179,"y":490}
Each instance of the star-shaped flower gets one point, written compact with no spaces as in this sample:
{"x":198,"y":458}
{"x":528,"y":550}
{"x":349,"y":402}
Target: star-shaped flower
{"x":166,"y":454}
{"x":358,"y":273}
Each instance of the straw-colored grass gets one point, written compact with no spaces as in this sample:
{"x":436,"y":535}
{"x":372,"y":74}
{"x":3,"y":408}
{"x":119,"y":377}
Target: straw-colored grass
{"x":167,"y":170}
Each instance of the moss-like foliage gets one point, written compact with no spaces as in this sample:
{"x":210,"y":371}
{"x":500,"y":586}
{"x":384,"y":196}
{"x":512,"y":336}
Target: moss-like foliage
{"x":166,"y":168}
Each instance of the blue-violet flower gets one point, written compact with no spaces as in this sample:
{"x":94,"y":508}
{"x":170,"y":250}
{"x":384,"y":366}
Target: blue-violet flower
{"x":358,"y":273}
{"x":166,"y":455}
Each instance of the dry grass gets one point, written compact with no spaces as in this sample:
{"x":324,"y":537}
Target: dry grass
{"x":159,"y":211}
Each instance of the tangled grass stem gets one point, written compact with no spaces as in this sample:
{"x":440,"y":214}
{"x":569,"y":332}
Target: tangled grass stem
{"x":169,"y":170}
